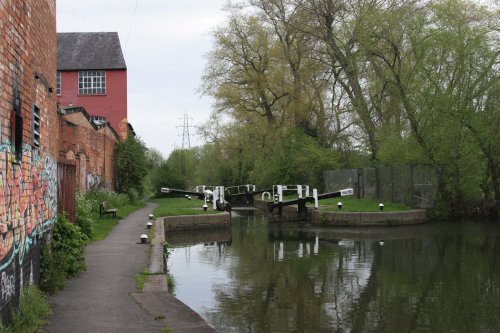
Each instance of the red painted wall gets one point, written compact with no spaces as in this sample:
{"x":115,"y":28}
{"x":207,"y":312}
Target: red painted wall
{"x":112,"y":105}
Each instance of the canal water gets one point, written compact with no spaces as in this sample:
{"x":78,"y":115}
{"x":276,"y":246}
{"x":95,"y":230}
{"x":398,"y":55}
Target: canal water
{"x":260,"y":277}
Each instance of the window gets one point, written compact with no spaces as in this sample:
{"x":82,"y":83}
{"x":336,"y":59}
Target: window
{"x":58,"y":83}
{"x":91,"y":82}
{"x":98,"y":120}
{"x":16,"y":125}
{"x":36,"y":127}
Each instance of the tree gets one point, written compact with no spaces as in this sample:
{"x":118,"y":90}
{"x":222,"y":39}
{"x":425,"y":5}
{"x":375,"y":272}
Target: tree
{"x":398,"y":81}
{"x":130,"y":164}
{"x":154,"y":159}
{"x":178,"y":171}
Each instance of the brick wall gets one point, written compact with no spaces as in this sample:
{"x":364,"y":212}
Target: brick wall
{"x":91,"y":148}
{"x":28,"y":179}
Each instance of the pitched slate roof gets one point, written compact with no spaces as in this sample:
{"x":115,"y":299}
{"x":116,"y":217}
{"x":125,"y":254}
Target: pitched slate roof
{"x":89,"y":50}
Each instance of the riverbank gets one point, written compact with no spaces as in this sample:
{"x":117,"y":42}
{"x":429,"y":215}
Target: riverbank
{"x":155,"y":297}
{"x":325,"y":216}
{"x":368,"y":219}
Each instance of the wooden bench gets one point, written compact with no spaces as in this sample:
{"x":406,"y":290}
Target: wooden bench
{"x":103,"y":210}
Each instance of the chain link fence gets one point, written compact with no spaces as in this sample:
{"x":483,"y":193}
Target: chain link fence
{"x":412,"y":185}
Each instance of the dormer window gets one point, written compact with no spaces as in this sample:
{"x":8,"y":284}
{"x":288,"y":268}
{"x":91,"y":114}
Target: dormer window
{"x":98,"y":120}
{"x":92,"y":82}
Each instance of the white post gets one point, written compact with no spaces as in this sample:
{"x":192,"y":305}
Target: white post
{"x":307,"y":191}
{"x":215,"y":197}
{"x":221,"y":194}
{"x":299,"y":191}
{"x":301,"y":249}
{"x":280,"y":193}
{"x":315,"y":196}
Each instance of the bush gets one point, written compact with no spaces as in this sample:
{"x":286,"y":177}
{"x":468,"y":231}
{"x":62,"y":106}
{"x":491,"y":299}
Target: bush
{"x":64,"y":256}
{"x":86,"y":225}
{"x":88,"y":202}
{"x":69,"y":240}
{"x":133,"y":195}
{"x":84,"y":213}
{"x":30,"y":317}
{"x":53,"y":276}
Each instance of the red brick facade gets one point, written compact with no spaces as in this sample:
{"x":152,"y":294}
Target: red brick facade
{"x":89,"y":147}
{"x":28,"y":151}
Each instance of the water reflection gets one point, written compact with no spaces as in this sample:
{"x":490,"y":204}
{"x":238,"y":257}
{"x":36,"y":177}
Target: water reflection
{"x":260,"y":278}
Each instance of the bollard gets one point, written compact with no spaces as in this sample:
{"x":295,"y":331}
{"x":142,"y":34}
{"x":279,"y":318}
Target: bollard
{"x":339,"y":205}
{"x":205,"y":207}
{"x":144,"y":238}
{"x":149,"y":225}
{"x":189,"y":198}
{"x":381,"y":206}
{"x":150,"y":216}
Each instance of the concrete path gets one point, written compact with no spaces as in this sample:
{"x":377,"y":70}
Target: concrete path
{"x":104,"y":297}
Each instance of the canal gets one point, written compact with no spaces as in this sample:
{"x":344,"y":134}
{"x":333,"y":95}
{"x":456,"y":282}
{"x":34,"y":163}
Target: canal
{"x":260,"y":277}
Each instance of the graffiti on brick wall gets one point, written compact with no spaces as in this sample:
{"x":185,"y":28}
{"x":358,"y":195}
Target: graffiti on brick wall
{"x":7,"y":286}
{"x":93,"y":180}
{"x":28,"y":204}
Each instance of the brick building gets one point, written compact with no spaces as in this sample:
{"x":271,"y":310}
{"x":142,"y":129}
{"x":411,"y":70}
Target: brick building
{"x":28,"y":151}
{"x":87,"y":145}
{"x":91,"y":72}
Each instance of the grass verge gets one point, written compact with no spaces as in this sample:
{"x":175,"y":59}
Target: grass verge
{"x":353,"y":204}
{"x":181,"y":206}
{"x":103,"y":226}
{"x":32,"y":313}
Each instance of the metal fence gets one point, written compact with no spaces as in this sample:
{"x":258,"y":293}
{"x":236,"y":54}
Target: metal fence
{"x":412,"y":185}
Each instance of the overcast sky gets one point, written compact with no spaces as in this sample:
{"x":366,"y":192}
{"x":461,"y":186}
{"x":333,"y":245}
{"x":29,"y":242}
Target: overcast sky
{"x":164,"y":43}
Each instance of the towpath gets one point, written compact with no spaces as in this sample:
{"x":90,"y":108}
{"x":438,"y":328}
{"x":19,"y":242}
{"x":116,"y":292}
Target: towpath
{"x":104,"y":297}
